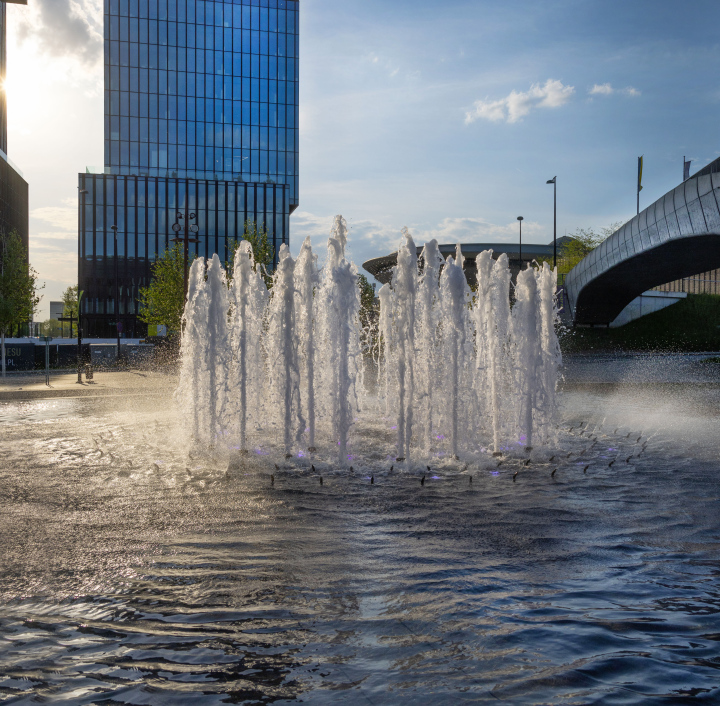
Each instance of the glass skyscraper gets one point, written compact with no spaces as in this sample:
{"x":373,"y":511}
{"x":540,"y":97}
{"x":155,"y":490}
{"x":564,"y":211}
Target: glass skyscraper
{"x":201,"y":113}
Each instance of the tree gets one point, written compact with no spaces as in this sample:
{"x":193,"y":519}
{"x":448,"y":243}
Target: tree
{"x":584,"y":241}
{"x":163,"y":301}
{"x":50,"y":327}
{"x":368,"y":311}
{"x":18,"y":289}
{"x":367,"y":299}
{"x":70,"y":307}
{"x":263,"y":251}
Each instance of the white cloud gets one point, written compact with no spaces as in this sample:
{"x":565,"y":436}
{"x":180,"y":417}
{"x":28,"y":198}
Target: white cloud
{"x":553,"y":94}
{"x":373,"y":238}
{"x":54,"y":264}
{"x":606,"y":89}
{"x":476,"y":230}
{"x":65,"y":29}
{"x":518,"y":104}
{"x":64,"y":218}
{"x":54,"y":235}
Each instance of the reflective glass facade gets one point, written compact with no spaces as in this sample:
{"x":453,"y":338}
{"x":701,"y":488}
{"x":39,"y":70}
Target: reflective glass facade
{"x":202,"y":88}
{"x":201,"y":111}
{"x":144,"y":210}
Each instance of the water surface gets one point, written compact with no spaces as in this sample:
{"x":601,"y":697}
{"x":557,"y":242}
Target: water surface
{"x":132,"y":574}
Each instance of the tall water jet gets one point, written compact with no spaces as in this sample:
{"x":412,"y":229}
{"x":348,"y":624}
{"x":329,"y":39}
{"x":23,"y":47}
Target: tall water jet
{"x":339,"y":303}
{"x":527,"y":353}
{"x":387,"y":344}
{"x":218,"y":344}
{"x":498,"y":343}
{"x":404,"y":284}
{"x":249,"y":298}
{"x":427,"y":321}
{"x":187,"y":393}
{"x":551,"y":355}
{"x":306,"y":282}
{"x":482,"y":320}
{"x":454,"y":296}
{"x":283,"y":351}
{"x":206,"y":345}
{"x":459,"y":367}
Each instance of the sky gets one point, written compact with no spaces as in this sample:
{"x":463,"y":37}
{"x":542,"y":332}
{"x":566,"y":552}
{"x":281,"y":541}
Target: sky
{"x":445,"y":116}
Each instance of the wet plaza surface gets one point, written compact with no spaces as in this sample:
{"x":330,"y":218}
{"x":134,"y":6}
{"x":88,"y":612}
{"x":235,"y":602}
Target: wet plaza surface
{"x":131,"y":573}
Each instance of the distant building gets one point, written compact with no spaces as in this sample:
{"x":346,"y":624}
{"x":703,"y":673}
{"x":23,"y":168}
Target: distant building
{"x":201,"y":117}
{"x":382,"y":267}
{"x":14,"y":201}
{"x":56,"y":309}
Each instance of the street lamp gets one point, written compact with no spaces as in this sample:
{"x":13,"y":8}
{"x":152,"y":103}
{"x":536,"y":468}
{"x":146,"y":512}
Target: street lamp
{"x":520,"y":219}
{"x":553,"y":181}
{"x":118,"y":325}
{"x":187,"y":228}
{"x":81,"y":193}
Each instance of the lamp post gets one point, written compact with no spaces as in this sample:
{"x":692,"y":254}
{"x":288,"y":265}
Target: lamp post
{"x":520,"y":220}
{"x":187,"y":228}
{"x":553,"y":181}
{"x":81,"y":193}
{"x":118,"y":325}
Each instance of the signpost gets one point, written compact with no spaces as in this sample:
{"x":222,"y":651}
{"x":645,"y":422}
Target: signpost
{"x":119,"y":333}
{"x":47,"y":340}
{"x":71,"y":319}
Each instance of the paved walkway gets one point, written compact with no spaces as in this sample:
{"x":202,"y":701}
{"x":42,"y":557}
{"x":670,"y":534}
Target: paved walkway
{"x":641,"y":368}
{"x":26,"y":386}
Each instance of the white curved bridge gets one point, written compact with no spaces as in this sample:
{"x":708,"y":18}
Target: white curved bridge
{"x":677,"y":236}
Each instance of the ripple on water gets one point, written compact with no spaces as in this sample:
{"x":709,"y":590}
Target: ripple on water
{"x":130,"y":576}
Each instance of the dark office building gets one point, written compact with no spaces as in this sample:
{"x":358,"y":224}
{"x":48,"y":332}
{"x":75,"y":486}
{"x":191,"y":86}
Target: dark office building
{"x":201,"y":113}
{"x":13,"y":188}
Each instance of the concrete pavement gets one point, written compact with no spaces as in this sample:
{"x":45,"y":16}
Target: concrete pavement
{"x":29,"y":386}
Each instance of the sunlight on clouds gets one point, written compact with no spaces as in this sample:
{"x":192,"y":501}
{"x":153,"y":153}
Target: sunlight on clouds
{"x":53,"y":248}
{"x":372,"y":238}
{"x":36,"y":85}
{"x":64,"y":28}
{"x":515,"y":106}
{"x":477,"y":230}
{"x":62,"y":217}
{"x":54,"y":263}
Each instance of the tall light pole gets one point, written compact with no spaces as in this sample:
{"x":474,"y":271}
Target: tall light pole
{"x":187,"y":228}
{"x":81,"y":193}
{"x":118,"y":325}
{"x":520,"y":220}
{"x":553,"y":181}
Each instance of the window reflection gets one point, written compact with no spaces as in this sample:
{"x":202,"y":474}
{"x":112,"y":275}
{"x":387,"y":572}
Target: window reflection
{"x":200,"y":112}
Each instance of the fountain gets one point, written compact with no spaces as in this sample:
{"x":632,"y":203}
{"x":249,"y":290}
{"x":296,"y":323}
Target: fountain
{"x":132,"y":570}
{"x":457,"y":373}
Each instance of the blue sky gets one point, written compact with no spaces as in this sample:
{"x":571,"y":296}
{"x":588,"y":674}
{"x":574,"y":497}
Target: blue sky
{"x":447,"y":117}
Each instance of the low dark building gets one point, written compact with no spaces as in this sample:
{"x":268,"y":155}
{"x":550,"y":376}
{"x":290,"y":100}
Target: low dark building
{"x":382,"y":267}
{"x":14,"y":201}
{"x":144,"y":210}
